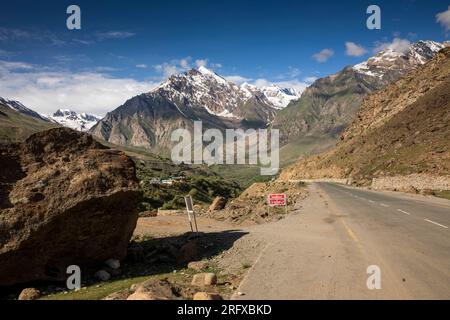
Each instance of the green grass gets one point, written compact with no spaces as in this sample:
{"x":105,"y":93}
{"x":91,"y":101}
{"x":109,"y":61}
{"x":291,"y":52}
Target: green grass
{"x":244,"y":175}
{"x":443,"y":194}
{"x":98,"y":291}
{"x":305,"y":146}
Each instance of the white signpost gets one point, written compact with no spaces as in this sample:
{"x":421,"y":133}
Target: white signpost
{"x":191,"y":213}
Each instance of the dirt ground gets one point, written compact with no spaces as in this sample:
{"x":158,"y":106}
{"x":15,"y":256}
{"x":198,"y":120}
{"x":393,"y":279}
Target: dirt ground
{"x":241,"y":248}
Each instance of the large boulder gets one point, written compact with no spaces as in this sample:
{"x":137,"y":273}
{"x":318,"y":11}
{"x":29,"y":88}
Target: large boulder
{"x":64,"y":200}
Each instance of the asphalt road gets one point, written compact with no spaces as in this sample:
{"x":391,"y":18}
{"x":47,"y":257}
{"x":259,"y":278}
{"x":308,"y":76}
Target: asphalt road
{"x":323,"y":250}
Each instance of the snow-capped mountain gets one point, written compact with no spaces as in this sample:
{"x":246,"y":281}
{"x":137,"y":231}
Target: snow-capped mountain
{"x":203,"y":88}
{"x":278,"y":97}
{"x":392,"y":62}
{"x":325,"y":108}
{"x":331,"y":103}
{"x":19,"y":107}
{"x":200,"y":94}
{"x":220,"y":97}
{"x":73,"y":120}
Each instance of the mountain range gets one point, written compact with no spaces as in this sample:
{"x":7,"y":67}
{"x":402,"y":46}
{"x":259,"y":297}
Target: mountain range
{"x":17,"y":122}
{"x":330,"y":104}
{"x":77,"y":121}
{"x":147,"y":120}
{"x":20,"y":108}
{"x":400,"y":130}
{"x":325,"y":109}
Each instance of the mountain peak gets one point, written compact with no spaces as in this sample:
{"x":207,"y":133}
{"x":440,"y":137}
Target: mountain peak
{"x":396,"y":59}
{"x":19,"y":107}
{"x":206,"y":71}
{"x":74,"y":120}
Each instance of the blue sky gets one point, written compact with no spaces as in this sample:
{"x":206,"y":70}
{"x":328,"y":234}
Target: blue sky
{"x":127,"y":47}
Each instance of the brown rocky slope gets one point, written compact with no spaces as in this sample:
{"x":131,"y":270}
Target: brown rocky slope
{"x":400,"y":131}
{"x":64,"y":200}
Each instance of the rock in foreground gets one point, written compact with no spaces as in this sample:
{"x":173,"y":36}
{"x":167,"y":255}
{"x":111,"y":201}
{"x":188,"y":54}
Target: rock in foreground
{"x":64,"y":200}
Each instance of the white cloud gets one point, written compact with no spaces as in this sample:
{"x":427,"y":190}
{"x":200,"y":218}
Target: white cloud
{"x":354,"y":50}
{"x":443,"y":19}
{"x":141,"y":66}
{"x":295,"y":84}
{"x":237,"y":79}
{"x":175,"y":66}
{"x":310,"y":79}
{"x":323,"y":55}
{"x":294,"y":72}
{"x":168,"y":69}
{"x":397,"y":45}
{"x":105,"y":69}
{"x":13,"y":34}
{"x":201,"y":63}
{"x":114,"y":35}
{"x":45,"y":91}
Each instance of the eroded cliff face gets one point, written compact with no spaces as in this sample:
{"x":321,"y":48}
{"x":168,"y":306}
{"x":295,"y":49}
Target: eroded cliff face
{"x":64,"y":200}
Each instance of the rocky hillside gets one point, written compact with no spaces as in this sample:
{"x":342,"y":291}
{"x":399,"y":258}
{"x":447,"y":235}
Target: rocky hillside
{"x":20,"y":108}
{"x":18,"y":122}
{"x":330,"y":104}
{"x":251,"y":205}
{"x":62,"y":199}
{"x":400,"y":130}
{"x":148,"y":120}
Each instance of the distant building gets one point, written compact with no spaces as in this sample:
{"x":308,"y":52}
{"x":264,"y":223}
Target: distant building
{"x":167,"y":182}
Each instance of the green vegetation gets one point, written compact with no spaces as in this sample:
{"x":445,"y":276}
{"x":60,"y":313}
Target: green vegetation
{"x":443,"y":194}
{"x":165,"y":184}
{"x":100,"y":291}
{"x":305,"y":146}
{"x":180,"y":278}
{"x":244,"y":175}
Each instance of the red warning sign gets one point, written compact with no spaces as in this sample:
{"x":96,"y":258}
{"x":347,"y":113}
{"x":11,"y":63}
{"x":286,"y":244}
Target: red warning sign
{"x":277,"y":200}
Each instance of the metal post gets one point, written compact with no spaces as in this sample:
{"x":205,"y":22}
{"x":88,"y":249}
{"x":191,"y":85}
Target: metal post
{"x":195,"y":222}
{"x":190,"y":222}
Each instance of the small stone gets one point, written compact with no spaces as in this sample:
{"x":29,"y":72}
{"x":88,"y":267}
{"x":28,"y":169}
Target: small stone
{"x":241,"y":294}
{"x":102,"y":275}
{"x":207,"y":296}
{"x":153,"y":290}
{"x":204,"y":279}
{"x":121,"y":295}
{"x":198,"y":265}
{"x":30,"y":294}
{"x":134,"y":287}
{"x":210,"y":279}
{"x":113,"y":264}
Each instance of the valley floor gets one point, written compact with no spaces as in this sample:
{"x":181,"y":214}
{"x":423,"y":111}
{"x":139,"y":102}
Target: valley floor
{"x":322,"y":250}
